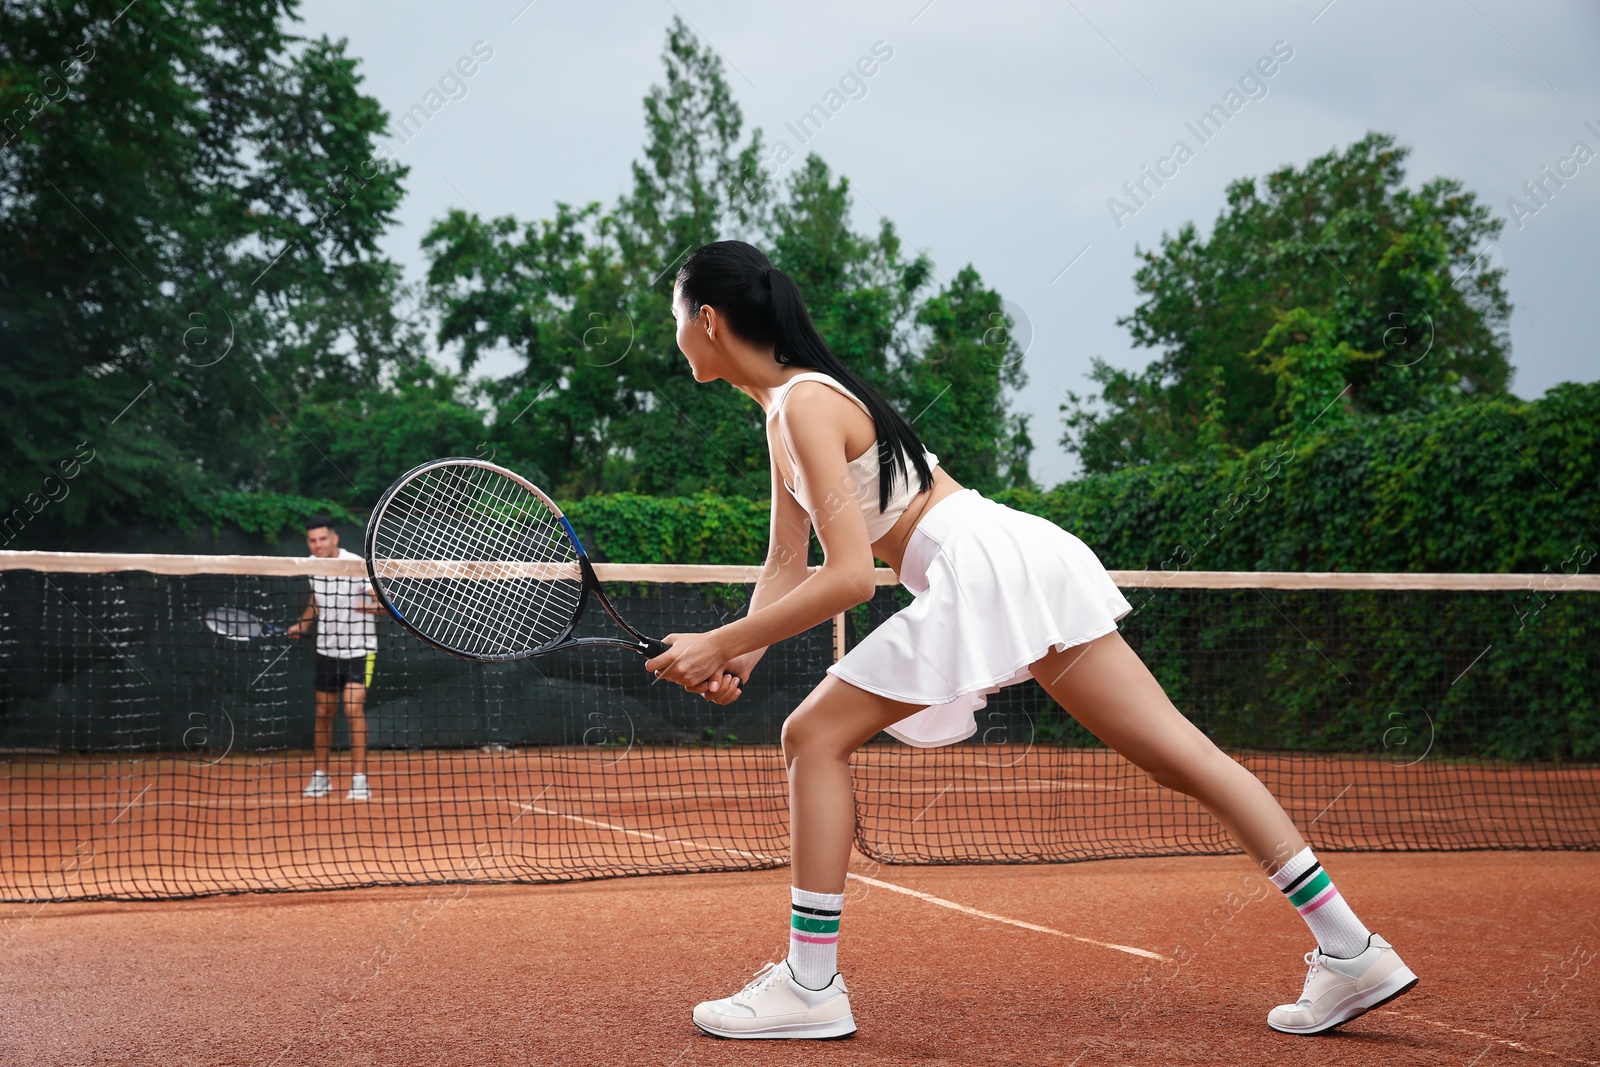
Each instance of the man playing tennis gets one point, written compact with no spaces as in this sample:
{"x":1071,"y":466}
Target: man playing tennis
{"x":345,"y":611}
{"x":1000,"y":596}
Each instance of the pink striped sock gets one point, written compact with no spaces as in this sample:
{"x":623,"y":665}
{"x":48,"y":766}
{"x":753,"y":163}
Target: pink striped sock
{"x":1308,"y":887}
{"x":814,"y":936}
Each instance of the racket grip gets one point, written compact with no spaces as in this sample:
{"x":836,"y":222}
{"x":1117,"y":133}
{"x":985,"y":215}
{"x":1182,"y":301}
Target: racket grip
{"x":653,"y":648}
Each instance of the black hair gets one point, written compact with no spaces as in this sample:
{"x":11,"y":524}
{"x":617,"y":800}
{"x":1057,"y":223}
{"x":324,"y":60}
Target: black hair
{"x":763,"y":305}
{"x":317,"y":522}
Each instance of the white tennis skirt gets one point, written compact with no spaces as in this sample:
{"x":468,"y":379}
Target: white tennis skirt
{"x":995,"y":589}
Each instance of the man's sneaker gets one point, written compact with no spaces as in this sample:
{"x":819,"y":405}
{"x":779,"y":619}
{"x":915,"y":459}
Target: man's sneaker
{"x":318,"y":786}
{"x":775,"y":1005}
{"x":358,"y":788}
{"x":1337,"y":990}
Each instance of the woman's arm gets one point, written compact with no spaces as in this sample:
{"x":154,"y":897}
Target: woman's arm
{"x":816,"y":440}
{"x":788,"y":542}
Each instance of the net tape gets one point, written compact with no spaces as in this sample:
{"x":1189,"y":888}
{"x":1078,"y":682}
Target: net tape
{"x":148,"y":757}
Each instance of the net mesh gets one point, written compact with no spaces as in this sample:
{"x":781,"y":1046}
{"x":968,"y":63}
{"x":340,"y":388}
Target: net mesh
{"x":145,"y":756}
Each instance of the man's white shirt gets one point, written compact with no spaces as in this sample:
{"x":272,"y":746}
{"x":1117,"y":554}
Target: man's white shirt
{"x":342,"y":631}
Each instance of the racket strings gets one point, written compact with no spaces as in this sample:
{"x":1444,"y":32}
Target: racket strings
{"x":521,"y":585}
{"x":446,"y":517}
{"x":533,"y":535}
{"x":430,"y":518}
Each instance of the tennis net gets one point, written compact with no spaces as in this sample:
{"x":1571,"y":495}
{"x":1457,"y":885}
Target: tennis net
{"x":146,"y":755}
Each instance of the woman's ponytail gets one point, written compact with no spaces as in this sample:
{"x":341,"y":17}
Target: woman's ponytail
{"x":763,"y":305}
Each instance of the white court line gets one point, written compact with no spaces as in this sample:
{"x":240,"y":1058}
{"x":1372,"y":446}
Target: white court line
{"x":860,"y":878}
{"x":1504,"y":1041}
{"x":649,"y":836}
{"x":1035,"y":927}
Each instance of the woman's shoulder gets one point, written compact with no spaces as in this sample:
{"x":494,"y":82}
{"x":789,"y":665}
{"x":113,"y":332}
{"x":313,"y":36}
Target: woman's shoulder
{"x":814,"y":388}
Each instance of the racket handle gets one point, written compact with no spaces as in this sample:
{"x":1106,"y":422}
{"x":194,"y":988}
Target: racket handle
{"x":653,"y":648}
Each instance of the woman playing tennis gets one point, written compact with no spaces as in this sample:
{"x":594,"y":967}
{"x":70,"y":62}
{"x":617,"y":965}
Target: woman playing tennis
{"x":1001,"y":596}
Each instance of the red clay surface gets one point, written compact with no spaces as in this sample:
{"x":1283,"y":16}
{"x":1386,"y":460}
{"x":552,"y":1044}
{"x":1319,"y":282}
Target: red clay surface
{"x":1505,"y":943}
{"x":100,"y":827}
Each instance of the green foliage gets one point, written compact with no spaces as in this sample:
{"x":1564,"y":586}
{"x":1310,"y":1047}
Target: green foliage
{"x":1390,"y":276}
{"x":1491,"y":485}
{"x":709,"y":528}
{"x":862,"y":292}
{"x":352,"y":447}
{"x":269,"y":514}
{"x":188,"y":247}
{"x":954,"y":386}
{"x":191,"y":288}
{"x":1501,"y":485}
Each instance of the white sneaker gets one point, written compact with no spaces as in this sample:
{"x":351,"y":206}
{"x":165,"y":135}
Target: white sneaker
{"x":358,"y":788}
{"x":775,"y":1005}
{"x":318,"y":786}
{"x":1337,"y":990}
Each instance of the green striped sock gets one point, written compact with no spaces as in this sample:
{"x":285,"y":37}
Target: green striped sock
{"x":1334,"y":925}
{"x":814,"y":936}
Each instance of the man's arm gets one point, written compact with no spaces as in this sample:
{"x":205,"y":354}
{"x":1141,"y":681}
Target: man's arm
{"x":306,"y":617}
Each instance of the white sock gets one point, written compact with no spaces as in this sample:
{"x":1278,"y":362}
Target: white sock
{"x":814,"y":936}
{"x":1308,"y":887}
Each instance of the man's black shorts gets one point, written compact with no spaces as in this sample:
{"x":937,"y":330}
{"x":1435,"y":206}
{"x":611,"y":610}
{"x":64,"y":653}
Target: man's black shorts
{"x":333,"y":673}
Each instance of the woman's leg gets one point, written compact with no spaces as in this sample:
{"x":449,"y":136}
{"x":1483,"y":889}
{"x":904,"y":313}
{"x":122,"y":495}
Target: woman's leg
{"x":1106,"y":687}
{"x":818,"y":737}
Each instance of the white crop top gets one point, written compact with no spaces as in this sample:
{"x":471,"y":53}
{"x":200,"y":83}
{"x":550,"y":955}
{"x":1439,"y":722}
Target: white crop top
{"x":863,"y":470}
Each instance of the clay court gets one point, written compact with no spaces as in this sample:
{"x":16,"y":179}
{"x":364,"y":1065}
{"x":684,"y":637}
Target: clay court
{"x":1504,"y":942}
{"x":1161,"y":959}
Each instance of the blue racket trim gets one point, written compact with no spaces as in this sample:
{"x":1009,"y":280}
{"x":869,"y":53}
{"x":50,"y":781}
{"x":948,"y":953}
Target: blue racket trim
{"x":574,"y":535}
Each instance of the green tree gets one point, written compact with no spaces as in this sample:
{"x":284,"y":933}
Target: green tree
{"x":862,"y":292}
{"x":954,"y":386}
{"x":190,"y":203}
{"x":1391,"y":272}
{"x":352,"y":446}
{"x":555,"y":293}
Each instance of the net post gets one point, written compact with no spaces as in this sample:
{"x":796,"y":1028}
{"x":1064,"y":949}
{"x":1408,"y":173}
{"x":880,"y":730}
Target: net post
{"x":838,"y":637}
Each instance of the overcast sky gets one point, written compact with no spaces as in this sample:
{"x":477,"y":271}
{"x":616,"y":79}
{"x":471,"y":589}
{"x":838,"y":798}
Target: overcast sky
{"x":995,"y":133}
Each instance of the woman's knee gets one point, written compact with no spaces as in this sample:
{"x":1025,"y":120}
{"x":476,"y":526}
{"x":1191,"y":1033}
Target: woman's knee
{"x":798,"y":736}
{"x":808,"y":733}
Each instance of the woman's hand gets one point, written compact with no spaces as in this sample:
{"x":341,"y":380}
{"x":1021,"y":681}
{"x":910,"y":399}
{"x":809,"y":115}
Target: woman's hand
{"x":724,"y":687}
{"x":693,"y":660}
{"x":727,"y":684}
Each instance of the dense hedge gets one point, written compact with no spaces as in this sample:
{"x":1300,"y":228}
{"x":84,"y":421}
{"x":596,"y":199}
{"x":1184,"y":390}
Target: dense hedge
{"x":1492,"y":486}
{"x":631,"y":528}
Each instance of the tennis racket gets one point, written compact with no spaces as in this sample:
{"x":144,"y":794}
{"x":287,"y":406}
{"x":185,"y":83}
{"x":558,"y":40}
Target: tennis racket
{"x":236,"y":624}
{"x":478,"y":561}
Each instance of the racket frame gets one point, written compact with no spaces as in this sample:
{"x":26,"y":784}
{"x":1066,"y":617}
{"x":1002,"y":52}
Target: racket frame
{"x":589,"y":581}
